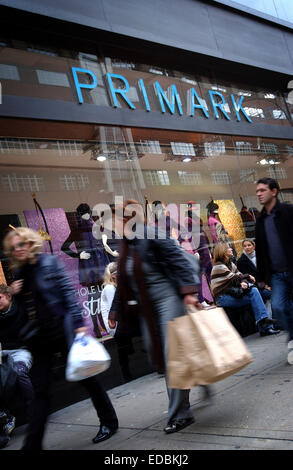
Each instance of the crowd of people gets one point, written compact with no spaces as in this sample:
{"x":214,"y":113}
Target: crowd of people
{"x":153,"y":282}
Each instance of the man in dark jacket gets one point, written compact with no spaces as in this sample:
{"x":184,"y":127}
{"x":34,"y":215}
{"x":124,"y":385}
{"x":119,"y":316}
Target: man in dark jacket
{"x":12,"y":320}
{"x":274,"y":252}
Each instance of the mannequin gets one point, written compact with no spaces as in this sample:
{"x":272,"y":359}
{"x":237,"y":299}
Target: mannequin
{"x":218,"y":231}
{"x":92,"y":260}
{"x":114,"y":254}
{"x":110,"y":242}
{"x":248,"y":220}
{"x":202,"y":250}
{"x":214,"y":222}
{"x":163,"y":219}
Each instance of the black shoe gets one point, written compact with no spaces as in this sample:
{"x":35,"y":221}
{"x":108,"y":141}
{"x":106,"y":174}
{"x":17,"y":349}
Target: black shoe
{"x":178,"y":424}
{"x":268,"y":332}
{"x":269,"y":322}
{"x":104,"y":434}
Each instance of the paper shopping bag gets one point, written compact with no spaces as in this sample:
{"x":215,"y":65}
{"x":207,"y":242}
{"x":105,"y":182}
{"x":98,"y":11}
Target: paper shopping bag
{"x":178,"y":368}
{"x":204,"y":348}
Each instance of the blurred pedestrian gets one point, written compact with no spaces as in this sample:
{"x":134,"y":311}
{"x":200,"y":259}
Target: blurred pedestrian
{"x":274,"y":253}
{"x":12,"y":324}
{"x":53,"y":319}
{"x":155,"y":274}
{"x":231,"y":288}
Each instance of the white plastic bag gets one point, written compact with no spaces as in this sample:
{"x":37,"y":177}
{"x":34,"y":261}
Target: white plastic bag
{"x":87,"y":357}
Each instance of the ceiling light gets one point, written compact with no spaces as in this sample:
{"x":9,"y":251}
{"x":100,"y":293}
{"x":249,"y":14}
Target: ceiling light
{"x":101,"y":158}
{"x":186,"y":159}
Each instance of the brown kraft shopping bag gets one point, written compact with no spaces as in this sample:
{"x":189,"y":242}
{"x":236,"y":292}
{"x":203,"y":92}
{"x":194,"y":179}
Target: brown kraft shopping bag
{"x":207,"y":349}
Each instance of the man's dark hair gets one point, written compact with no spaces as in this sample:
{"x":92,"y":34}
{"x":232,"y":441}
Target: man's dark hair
{"x":272,"y":184}
{"x":4,"y":289}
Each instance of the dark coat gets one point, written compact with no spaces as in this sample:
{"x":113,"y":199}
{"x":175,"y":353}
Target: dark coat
{"x":170,"y":276}
{"x":57,"y":294}
{"x":246,"y":266}
{"x":11,"y":323}
{"x":284,"y":225}
{"x":171,"y":261}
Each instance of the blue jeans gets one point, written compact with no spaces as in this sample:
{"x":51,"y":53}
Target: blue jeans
{"x":252,"y":298}
{"x":266,"y":294}
{"x":282,"y":305}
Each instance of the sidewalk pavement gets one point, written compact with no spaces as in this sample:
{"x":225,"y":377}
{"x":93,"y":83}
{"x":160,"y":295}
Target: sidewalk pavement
{"x":252,"y":410}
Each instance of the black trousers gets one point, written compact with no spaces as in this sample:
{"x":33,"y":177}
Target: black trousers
{"x":25,"y":387}
{"x":40,"y":376}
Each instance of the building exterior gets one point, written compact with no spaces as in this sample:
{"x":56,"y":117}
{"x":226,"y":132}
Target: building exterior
{"x":159,"y":100}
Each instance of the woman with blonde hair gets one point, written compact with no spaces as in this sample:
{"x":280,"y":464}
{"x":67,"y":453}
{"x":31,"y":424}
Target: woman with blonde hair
{"x":231,"y":288}
{"x":53,"y":319}
{"x":123,"y":338}
{"x":108,"y":292}
{"x":247,"y":265}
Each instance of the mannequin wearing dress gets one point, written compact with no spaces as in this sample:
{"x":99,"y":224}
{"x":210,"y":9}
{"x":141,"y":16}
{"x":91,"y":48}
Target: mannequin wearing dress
{"x":92,"y":256}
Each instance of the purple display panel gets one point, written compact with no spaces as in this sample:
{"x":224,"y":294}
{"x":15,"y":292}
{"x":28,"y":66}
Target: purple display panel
{"x":59,"y":231}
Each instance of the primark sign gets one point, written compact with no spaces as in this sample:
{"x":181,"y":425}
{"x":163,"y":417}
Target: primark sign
{"x":167,"y":101}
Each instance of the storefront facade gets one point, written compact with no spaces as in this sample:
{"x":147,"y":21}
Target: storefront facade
{"x":89,"y":113}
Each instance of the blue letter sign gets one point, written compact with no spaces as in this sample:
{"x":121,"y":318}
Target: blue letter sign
{"x":218,"y":105}
{"x":174,"y":98}
{"x":167,"y":99}
{"x":78,"y":85}
{"x":238,"y":107}
{"x":191,"y":94}
{"x":119,"y":91}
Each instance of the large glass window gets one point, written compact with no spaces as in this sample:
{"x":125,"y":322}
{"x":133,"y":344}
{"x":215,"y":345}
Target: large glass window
{"x":64,"y":165}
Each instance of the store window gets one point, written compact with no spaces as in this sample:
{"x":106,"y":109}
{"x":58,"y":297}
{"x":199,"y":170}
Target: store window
{"x":64,"y":165}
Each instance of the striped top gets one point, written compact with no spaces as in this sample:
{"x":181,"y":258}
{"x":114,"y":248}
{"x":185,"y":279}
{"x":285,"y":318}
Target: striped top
{"x":224,"y":276}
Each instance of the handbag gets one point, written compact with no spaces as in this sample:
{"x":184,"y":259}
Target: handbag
{"x":237,"y":292}
{"x":87,"y":357}
{"x":203,"y":348}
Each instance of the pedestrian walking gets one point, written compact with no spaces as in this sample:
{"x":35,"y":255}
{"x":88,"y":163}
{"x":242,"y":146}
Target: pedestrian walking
{"x":231,"y":288}
{"x":53,"y":319}
{"x":274,"y":253}
{"x":154,"y":274}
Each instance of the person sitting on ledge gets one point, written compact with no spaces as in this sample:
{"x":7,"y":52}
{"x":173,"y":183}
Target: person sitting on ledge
{"x":231,"y":288}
